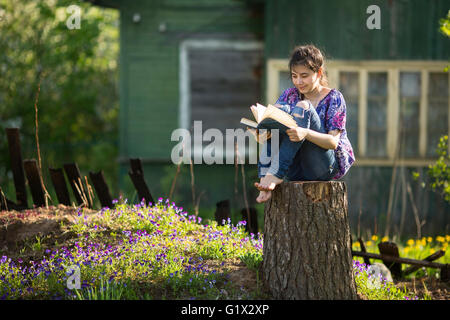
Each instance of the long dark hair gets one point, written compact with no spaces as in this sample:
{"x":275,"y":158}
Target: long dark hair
{"x":311,"y":57}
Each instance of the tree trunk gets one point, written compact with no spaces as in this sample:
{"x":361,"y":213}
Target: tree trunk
{"x":307,"y":245}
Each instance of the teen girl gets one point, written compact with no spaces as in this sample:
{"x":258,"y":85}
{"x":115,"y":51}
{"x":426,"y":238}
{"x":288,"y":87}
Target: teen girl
{"x":317,"y":149}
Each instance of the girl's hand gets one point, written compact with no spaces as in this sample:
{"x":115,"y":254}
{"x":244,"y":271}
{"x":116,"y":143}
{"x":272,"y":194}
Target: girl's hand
{"x":297,"y":133}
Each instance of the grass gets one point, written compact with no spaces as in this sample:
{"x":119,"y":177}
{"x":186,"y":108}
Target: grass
{"x":139,"y":252}
{"x":374,"y":288}
{"x":413,"y":249}
{"x":154,"y":252}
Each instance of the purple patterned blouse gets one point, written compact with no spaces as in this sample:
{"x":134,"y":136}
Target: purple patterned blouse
{"x":332,"y":114}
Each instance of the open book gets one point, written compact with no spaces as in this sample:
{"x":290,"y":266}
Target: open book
{"x":269,"y":118}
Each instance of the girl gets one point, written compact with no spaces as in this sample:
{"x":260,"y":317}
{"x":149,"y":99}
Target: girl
{"x":317,"y":149}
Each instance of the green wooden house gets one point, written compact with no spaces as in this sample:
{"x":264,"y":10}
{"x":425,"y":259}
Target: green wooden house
{"x":209,"y":60}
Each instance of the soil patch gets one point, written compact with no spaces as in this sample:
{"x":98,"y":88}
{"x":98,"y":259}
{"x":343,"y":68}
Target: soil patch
{"x":427,"y":286}
{"x":20,"y":227}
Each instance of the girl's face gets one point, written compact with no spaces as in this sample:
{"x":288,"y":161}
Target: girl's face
{"x":304,"y":79}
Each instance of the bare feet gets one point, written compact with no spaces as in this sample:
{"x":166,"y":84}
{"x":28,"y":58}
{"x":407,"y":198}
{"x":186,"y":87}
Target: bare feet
{"x":264,"y":196}
{"x":268,"y":183}
{"x":265,"y":187}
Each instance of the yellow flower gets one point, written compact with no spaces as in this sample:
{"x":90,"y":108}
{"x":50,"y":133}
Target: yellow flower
{"x":445,"y":245}
{"x":407,"y":249}
{"x":369,"y":243}
{"x":356,"y":244}
{"x":424,"y":242}
{"x":410,"y":242}
{"x":447,"y":238}
{"x":440,"y":239}
{"x":385,"y":239}
{"x":432,"y":251}
{"x":374,"y":237}
{"x":430,"y":239}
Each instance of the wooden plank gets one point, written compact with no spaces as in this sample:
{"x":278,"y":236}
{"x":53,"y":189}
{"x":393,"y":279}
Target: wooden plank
{"x":253,"y":228}
{"x":34,"y":181}
{"x":362,"y":115}
{"x":6,"y":204}
{"x":17,"y":165}
{"x":432,"y":257}
{"x":445,"y":273}
{"x":363,"y":249}
{"x":392,"y":112}
{"x":414,"y":262}
{"x":136,"y":165}
{"x":74,"y":176}
{"x":101,"y":188}
{"x":137,"y":177}
{"x":222,"y":211}
{"x":59,"y":183}
{"x":391,"y":249}
{"x":141,"y":187}
{"x":3,"y":202}
{"x":423,"y":119}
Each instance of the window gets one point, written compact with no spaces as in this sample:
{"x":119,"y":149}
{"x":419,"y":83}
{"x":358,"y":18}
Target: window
{"x":350,"y":89}
{"x":409,"y":113}
{"x":376,"y":130}
{"x":438,"y":110}
{"x":395,"y":109}
{"x":219,"y":81}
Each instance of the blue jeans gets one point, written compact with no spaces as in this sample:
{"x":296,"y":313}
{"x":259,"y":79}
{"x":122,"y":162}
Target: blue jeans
{"x":302,"y":160}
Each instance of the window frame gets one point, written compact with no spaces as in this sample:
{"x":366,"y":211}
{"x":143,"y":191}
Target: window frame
{"x":184,"y":116}
{"x":363,"y":67}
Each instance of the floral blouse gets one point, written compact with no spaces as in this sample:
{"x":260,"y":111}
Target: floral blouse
{"x":332,"y":114}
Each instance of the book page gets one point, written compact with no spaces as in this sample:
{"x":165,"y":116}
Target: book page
{"x":255,"y":112}
{"x":280,"y":116}
{"x":249,"y":122}
{"x":260,"y":109}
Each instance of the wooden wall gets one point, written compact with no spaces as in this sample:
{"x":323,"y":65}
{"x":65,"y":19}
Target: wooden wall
{"x":409,"y":29}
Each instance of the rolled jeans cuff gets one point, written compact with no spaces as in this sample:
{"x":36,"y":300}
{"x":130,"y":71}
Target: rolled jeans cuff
{"x":276,"y":173}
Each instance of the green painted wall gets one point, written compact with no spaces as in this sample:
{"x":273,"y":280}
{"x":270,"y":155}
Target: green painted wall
{"x":409,"y":29}
{"x":149,"y":89}
{"x":149,"y":64}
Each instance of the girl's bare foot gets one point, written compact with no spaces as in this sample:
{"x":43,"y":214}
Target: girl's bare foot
{"x":268,"y":183}
{"x":264,"y":196}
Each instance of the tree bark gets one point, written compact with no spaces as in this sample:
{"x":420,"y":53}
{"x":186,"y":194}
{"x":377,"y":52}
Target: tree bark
{"x":307,"y":244}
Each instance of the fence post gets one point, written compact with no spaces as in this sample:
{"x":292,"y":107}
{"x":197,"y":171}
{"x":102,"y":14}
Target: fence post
{"x":35,"y":182}
{"x":222,"y":211}
{"x":59,"y":183}
{"x":15,"y":153}
{"x":74,"y":177}
{"x":101,"y":188}
{"x":137,"y":177}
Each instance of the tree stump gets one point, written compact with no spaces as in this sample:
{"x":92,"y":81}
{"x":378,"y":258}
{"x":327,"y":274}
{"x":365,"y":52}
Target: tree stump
{"x":307,"y":245}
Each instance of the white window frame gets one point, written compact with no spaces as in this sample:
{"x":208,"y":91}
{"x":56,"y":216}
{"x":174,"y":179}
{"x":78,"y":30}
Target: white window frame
{"x":363,"y":67}
{"x":184,"y":118}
